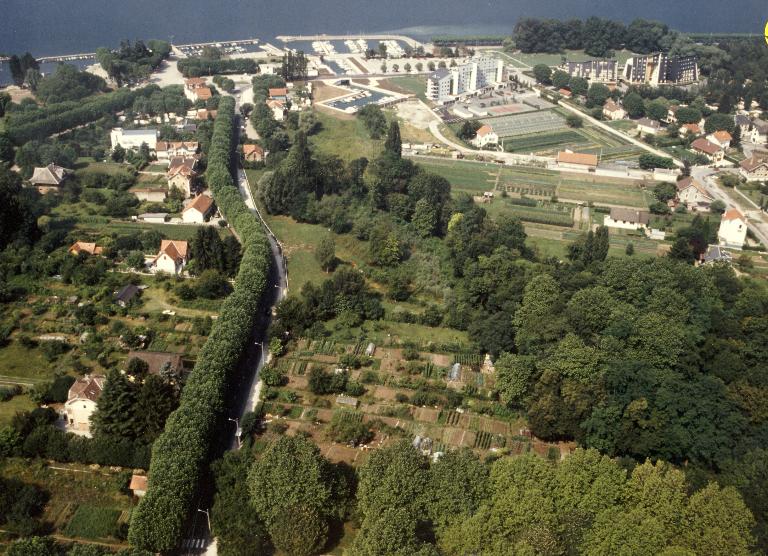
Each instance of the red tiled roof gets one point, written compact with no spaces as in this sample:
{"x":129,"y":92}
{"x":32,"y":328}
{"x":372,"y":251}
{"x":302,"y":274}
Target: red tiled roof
{"x":86,"y":247}
{"x":88,"y":387}
{"x":705,"y":146}
{"x":751,"y":164}
{"x":182,"y":165}
{"x":278,"y":92}
{"x":176,"y":249}
{"x":138,"y":482}
{"x":733,"y":214}
{"x":484,"y":130}
{"x":577,"y":158}
{"x":201,"y":203}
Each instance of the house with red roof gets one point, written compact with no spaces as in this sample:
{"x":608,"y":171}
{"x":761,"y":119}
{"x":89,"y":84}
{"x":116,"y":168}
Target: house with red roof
{"x":720,"y":138}
{"x":85,"y":247}
{"x":171,"y":258}
{"x":713,"y":152}
{"x":181,"y":174}
{"x":198,"y":210}
{"x":485,"y":136}
{"x":754,"y":168}
{"x":81,"y":403}
{"x":733,"y":229}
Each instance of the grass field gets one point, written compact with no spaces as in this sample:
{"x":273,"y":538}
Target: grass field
{"x":346,"y":138}
{"x":86,"y":165}
{"x":467,"y":177}
{"x":26,"y":365}
{"x":622,"y":125}
{"x":170,"y":231}
{"x":14,"y":405}
{"x":415,"y":84}
{"x":521,"y":60}
{"x":602,"y":190}
{"x":92,"y":522}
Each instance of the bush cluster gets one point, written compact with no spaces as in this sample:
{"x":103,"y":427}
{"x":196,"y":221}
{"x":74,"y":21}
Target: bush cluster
{"x":181,"y":452}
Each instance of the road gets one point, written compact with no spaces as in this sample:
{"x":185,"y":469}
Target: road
{"x":197,"y":539}
{"x":756,"y":219}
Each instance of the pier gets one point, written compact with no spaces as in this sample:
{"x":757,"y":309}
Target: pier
{"x":67,"y":57}
{"x":413,"y":43}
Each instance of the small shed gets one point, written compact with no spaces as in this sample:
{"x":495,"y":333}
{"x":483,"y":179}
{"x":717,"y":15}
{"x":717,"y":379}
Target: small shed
{"x":348,"y":401}
{"x":138,"y":485}
{"x":370,"y":350}
{"x":126,"y":294}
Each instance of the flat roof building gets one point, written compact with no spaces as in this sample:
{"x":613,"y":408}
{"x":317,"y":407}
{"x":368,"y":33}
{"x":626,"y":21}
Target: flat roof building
{"x":660,"y":69}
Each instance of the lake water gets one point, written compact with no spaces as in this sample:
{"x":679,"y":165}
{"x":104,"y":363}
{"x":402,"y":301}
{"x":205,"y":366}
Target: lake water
{"x":51,"y":27}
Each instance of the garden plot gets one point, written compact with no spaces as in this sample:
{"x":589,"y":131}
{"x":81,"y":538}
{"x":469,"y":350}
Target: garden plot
{"x":526,"y":123}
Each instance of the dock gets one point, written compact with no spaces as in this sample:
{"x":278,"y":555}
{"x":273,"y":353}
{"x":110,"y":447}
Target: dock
{"x":67,"y":58}
{"x":413,"y":43}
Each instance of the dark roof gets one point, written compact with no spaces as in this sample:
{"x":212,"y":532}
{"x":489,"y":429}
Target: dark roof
{"x":126,"y":293}
{"x":88,"y":387}
{"x":439,"y":74}
{"x":742,"y":119}
{"x":630,"y":215}
{"x":716,"y":253}
{"x":761,"y":126}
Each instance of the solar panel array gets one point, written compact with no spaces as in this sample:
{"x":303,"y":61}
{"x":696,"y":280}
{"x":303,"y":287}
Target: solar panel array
{"x":523,"y":124}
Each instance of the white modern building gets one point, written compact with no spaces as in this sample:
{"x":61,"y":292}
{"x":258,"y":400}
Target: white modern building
{"x":733,"y":229}
{"x":595,"y":70}
{"x":133,"y":138}
{"x":476,"y":74}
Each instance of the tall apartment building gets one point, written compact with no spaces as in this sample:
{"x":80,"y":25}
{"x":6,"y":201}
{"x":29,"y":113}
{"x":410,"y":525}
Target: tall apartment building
{"x":660,"y":69}
{"x":476,"y":74}
{"x":594,"y":70}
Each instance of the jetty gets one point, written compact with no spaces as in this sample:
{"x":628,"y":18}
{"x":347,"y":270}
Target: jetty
{"x":413,"y":43}
{"x":67,"y":57}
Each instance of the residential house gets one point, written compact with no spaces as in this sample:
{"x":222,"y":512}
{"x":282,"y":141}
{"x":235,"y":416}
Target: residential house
{"x":81,"y":403}
{"x":202,"y":93}
{"x":693,"y":195}
{"x":85,"y":247}
{"x":485,"y":136}
{"x":204,"y":114}
{"x":754,"y":168}
{"x":759,"y":132}
{"x":627,"y":219}
{"x":278,"y":109}
{"x":565,"y":92}
{"x":715,"y":254}
{"x":672,"y":113}
{"x":138,"y":485}
{"x":198,"y":210}
{"x":192,"y":85}
{"x":170,"y":149}
{"x":182,"y":173}
{"x":648,"y":126}
{"x":613,"y":111}
{"x":278,"y":94}
{"x":693,"y":129}
{"x":713,"y":152}
{"x":125,"y":295}
{"x":253,"y":153}
{"x":720,"y":138}
{"x":744,"y":122}
{"x":171,"y":258}
{"x":150,"y":194}
{"x":160,"y":362}
{"x":576,"y":161}
{"x":132,"y":139}
{"x":733,"y":229}
{"x":48,"y":178}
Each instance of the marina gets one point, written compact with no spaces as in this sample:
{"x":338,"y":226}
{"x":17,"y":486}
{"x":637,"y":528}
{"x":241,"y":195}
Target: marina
{"x":413,"y":43}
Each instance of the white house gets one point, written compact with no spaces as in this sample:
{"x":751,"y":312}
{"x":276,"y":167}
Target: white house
{"x":720,"y":138}
{"x":181,"y":174}
{"x":485,"y":136}
{"x":754,"y":168}
{"x":733,"y":229}
{"x":648,"y":126}
{"x":613,"y":111}
{"x":81,"y":403}
{"x":278,"y":109}
{"x":198,"y":210}
{"x":169,"y":149}
{"x":138,"y":485}
{"x":171,"y":258}
{"x":714,"y":153}
{"x":759,"y":132}
{"x":627,"y":219}
{"x":693,"y":195}
{"x":133,"y":138}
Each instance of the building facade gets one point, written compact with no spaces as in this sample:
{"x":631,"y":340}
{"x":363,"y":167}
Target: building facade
{"x":476,"y":74}
{"x":81,"y":403}
{"x":133,"y":138}
{"x":659,"y":69}
{"x":595,"y":70}
{"x":733,"y":229}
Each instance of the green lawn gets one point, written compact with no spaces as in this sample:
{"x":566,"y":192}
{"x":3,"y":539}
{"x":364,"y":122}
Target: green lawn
{"x":622,"y":125}
{"x":92,"y":522}
{"x":26,"y":365}
{"x":415,"y":84}
{"x":345,"y":138}
{"x":468,"y":177}
{"x":603,"y":190}
{"x":85,"y":165}
{"x":11,"y":407}
{"x":171,"y":231}
{"x":519,"y":59}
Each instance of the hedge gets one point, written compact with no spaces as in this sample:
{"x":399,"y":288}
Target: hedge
{"x":196,"y":67}
{"x":61,"y":117}
{"x":182,"y":451}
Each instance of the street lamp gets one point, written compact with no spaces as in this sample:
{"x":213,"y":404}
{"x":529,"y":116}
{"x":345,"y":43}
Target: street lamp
{"x":238,"y":430}
{"x":208,"y":516}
